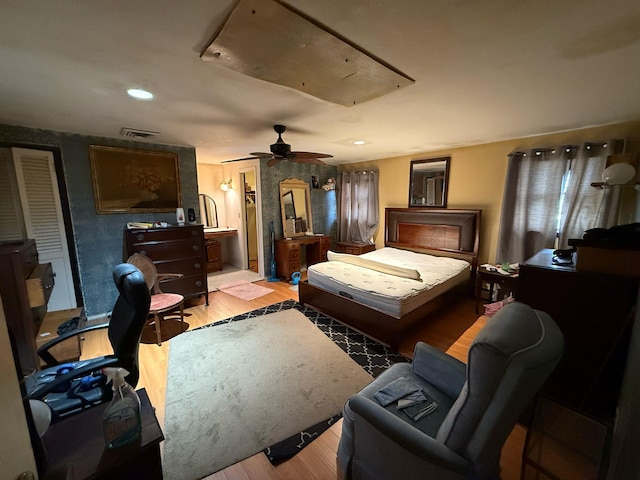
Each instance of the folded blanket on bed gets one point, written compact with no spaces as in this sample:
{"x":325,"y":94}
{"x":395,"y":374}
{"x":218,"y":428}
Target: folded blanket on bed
{"x":409,"y":273}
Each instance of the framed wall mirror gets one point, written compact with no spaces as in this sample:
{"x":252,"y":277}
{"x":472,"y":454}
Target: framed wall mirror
{"x":429,"y":182}
{"x":295,"y":206}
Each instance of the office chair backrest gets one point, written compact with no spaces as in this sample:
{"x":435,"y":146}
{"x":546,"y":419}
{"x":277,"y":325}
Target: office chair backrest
{"x":128,"y":317}
{"x":508,"y":362}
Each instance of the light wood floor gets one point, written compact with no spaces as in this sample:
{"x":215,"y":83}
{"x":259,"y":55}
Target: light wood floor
{"x":451,"y":331}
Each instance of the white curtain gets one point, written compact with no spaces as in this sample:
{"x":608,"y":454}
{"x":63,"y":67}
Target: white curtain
{"x":530,"y":204}
{"x":548,"y":198}
{"x":584,"y":204}
{"x":358,"y":206}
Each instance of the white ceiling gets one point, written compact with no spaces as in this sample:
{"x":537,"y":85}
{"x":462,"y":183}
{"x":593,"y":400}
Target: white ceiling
{"x":484,"y":71}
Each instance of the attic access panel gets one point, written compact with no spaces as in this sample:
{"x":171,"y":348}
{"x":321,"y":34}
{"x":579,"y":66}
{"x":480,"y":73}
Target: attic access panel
{"x":268,"y":40}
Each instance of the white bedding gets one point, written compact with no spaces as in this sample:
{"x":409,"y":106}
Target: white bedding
{"x":391,"y":294}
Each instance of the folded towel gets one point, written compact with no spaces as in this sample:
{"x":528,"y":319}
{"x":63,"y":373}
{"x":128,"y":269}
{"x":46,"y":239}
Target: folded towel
{"x":395,"y":390}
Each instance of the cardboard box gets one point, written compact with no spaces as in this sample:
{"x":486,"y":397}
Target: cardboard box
{"x":609,"y":260}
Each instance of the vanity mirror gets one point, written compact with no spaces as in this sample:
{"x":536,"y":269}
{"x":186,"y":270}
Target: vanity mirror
{"x":428,"y":182}
{"x":295,"y":205}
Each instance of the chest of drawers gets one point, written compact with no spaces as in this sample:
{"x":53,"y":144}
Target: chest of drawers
{"x":173,"y":250}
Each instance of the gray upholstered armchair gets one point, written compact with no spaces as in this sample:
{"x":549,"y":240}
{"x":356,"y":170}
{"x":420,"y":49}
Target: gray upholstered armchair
{"x":478,"y":404}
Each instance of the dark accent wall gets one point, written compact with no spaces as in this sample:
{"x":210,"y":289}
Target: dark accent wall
{"x":97,"y":238}
{"x":324,"y":209}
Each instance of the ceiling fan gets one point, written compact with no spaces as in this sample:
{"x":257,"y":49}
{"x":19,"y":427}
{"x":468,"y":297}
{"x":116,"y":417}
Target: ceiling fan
{"x":282,"y":151}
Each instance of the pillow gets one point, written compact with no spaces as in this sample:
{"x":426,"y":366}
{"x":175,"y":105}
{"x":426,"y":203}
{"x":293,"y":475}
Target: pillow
{"x":409,"y":273}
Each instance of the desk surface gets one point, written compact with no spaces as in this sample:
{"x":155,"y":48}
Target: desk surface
{"x":544,"y":259}
{"x":75,"y":447}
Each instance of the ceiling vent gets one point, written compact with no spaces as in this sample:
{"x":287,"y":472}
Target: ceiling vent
{"x":139,"y":134}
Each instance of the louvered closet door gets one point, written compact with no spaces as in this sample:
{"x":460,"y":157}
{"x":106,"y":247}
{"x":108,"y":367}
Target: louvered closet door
{"x":43,"y":219}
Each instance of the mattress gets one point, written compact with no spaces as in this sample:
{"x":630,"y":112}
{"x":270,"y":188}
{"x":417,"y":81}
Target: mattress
{"x":391,"y":294}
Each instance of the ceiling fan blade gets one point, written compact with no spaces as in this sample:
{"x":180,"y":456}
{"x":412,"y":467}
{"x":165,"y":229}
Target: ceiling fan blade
{"x":239,"y":159}
{"x":261,"y":154}
{"x":311,"y":155}
{"x":274,"y":161}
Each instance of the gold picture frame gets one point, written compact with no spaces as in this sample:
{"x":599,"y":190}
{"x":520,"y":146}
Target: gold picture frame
{"x":134,"y":181}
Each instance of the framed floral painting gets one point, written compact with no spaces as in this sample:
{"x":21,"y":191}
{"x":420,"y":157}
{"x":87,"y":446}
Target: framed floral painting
{"x":134,"y":181}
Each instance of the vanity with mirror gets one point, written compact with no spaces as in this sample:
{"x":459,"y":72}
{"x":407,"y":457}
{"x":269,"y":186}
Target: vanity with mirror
{"x":300,"y":246}
{"x":295,"y":205}
{"x":428,"y":182}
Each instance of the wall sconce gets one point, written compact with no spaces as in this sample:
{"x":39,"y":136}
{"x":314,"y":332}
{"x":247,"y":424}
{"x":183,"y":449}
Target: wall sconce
{"x":226,"y":185}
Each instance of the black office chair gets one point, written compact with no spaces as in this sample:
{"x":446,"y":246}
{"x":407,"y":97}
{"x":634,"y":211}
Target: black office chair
{"x":71,"y":387}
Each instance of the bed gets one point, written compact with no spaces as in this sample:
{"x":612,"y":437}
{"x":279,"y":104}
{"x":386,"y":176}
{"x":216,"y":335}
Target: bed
{"x":453,"y":234}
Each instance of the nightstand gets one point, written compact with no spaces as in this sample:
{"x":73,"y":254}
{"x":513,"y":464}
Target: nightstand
{"x":507,"y":284}
{"x":354,"y":248}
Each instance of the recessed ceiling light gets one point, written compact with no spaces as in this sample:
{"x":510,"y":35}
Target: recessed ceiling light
{"x":140,"y":94}
{"x":359,"y":142}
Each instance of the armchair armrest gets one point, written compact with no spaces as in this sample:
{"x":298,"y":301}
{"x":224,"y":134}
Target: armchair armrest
{"x":408,"y":437}
{"x":43,"y":351}
{"x":444,"y":372}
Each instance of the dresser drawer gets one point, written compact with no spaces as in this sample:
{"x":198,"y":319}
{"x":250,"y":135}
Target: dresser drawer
{"x":162,"y":234}
{"x":40,"y":284}
{"x":171,"y":249}
{"x":187,"y":285}
{"x":186,"y":266}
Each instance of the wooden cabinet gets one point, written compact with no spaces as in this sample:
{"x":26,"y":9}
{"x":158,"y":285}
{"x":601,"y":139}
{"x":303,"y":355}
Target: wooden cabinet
{"x":595,"y":313}
{"x":289,"y":255}
{"x":26,"y":287}
{"x":173,"y":250}
{"x":354,"y":248}
{"x":214,"y":255}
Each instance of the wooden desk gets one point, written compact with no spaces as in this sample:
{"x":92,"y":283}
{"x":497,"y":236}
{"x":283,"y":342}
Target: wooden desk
{"x":75,"y":447}
{"x":288,"y":256}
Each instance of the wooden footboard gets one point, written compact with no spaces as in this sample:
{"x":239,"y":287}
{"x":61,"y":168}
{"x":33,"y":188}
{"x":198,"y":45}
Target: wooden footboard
{"x":373,"y":323}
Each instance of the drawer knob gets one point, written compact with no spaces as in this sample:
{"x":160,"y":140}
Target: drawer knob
{"x":140,"y":236}
{"x":198,"y":283}
{"x":196,"y":265}
{"x":196,"y":248}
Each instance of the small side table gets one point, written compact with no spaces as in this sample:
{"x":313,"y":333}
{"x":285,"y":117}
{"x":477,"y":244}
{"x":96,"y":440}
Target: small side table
{"x":75,"y":447}
{"x":354,"y":248}
{"x":507,"y":283}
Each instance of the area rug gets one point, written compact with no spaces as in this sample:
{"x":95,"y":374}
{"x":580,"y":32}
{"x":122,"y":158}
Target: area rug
{"x":230,"y":274}
{"x":244,"y":290}
{"x":225,"y":402}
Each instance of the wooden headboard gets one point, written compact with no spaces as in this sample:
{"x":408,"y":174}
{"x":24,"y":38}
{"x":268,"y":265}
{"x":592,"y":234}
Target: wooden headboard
{"x":436,"y":231}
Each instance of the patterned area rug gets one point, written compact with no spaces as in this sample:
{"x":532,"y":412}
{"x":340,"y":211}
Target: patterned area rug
{"x":372,"y":356}
{"x":244,"y":290}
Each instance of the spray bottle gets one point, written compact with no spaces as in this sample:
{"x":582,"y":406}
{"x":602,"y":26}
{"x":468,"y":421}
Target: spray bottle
{"x":121,"y":420}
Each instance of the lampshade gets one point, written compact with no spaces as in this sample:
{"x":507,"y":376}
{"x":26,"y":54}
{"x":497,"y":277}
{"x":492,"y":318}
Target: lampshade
{"x":618,"y":174}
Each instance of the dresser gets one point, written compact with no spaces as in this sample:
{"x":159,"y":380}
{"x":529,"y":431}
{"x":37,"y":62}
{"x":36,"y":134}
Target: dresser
{"x":290,"y":254}
{"x":173,"y":250}
{"x":595,"y":314}
{"x":26,"y":286}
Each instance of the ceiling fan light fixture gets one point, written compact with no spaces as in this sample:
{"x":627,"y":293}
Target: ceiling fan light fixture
{"x":359,"y":142}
